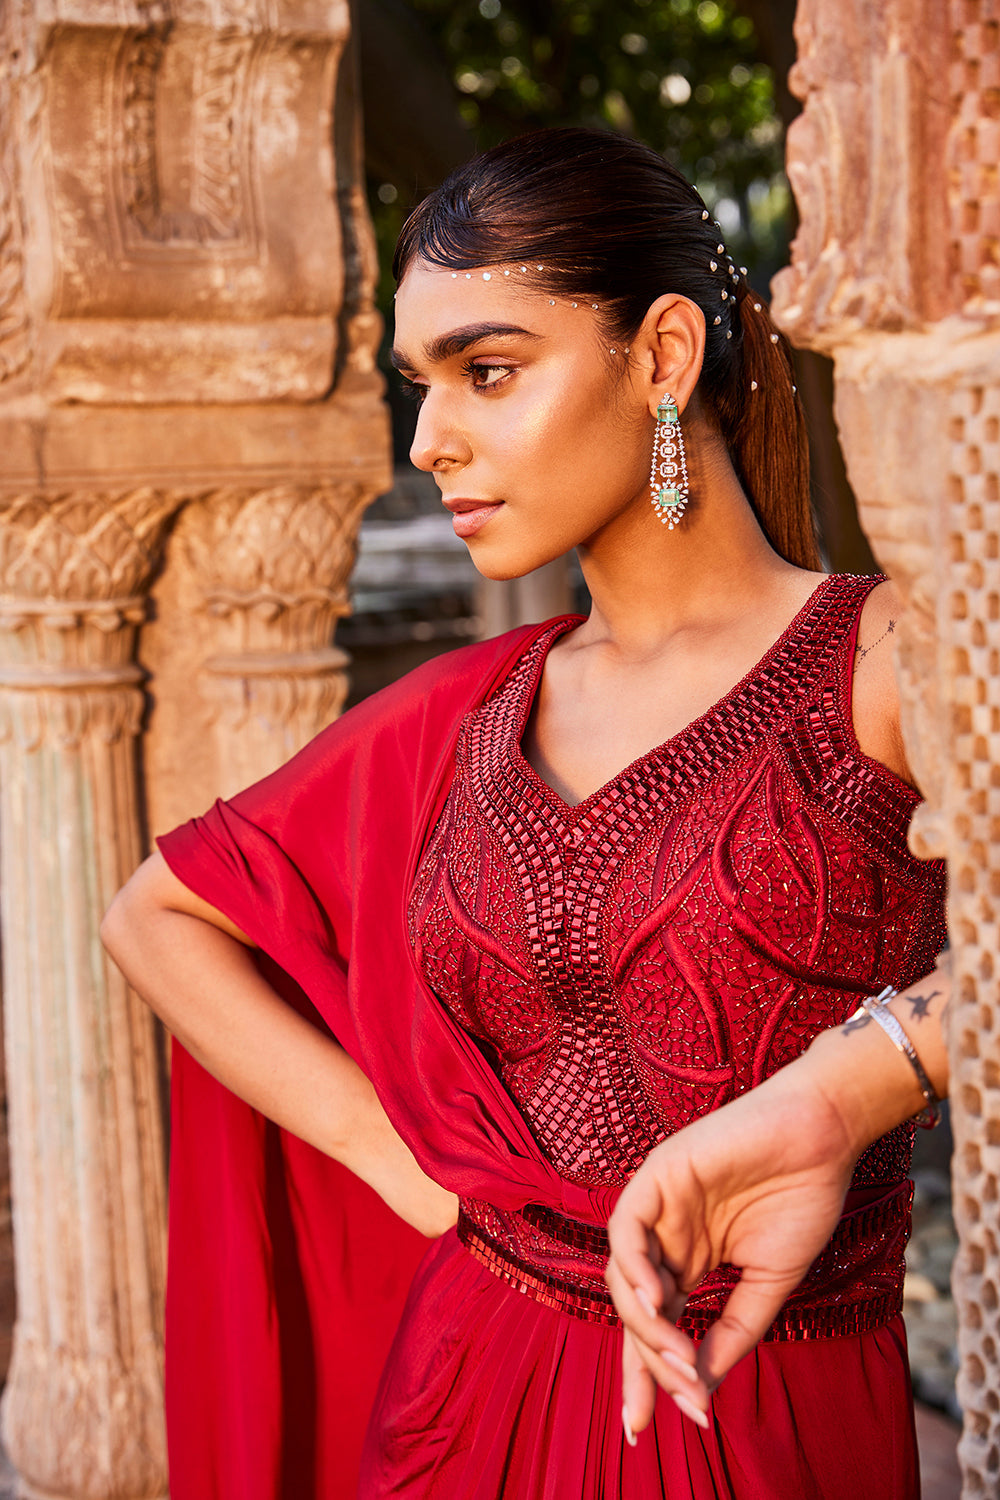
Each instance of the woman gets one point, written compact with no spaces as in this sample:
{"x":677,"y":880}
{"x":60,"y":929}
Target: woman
{"x":543,"y":962}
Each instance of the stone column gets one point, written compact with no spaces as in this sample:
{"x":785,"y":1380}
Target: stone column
{"x":190,"y":426}
{"x":82,"y":1406}
{"x":895,"y":273}
{"x":272,"y":566}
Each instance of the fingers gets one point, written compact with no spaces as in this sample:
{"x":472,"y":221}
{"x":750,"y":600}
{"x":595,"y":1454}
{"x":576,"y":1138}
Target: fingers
{"x":645,"y":1369}
{"x":638,"y":1391}
{"x":751,"y":1309}
{"x":655,"y":1353}
{"x":646,"y":1307}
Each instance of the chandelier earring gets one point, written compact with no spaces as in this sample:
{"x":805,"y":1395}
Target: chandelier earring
{"x":668,"y":478}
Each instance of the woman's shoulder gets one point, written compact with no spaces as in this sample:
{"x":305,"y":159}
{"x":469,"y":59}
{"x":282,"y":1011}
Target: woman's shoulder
{"x":875,"y":691}
{"x":461,"y":671}
{"x":425,"y":705}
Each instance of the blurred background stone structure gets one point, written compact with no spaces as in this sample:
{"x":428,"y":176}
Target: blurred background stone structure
{"x":190,"y":426}
{"x":895,"y":273}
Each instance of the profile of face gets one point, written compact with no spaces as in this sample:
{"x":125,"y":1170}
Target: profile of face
{"x":538,"y":436}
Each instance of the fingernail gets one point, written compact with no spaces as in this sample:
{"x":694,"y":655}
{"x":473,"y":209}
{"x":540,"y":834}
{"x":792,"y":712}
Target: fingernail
{"x":690,"y":1410}
{"x":643,"y":1299}
{"x":680,"y":1365}
{"x":629,"y":1434}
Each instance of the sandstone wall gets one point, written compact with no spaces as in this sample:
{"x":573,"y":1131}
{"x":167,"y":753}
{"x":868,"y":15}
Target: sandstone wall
{"x":190,"y":426}
{"x":896,"y":273}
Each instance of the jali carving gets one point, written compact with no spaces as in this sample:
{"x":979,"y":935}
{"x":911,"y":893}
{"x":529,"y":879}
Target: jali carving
{"x":973,"y":154}
{"x":970,"y":624}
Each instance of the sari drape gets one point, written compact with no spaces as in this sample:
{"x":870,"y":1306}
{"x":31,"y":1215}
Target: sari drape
{"x":286,"y":1275}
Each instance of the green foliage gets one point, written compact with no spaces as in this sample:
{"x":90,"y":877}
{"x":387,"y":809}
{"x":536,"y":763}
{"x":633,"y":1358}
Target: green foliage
{"x":682,"y":75}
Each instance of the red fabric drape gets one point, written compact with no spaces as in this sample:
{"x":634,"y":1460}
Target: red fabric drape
{"x":286,"y":1274}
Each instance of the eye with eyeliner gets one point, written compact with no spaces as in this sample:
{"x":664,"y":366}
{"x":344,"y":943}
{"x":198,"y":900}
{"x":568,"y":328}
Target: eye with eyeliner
{"x":473,"y":368}
{"x":475,"y":371}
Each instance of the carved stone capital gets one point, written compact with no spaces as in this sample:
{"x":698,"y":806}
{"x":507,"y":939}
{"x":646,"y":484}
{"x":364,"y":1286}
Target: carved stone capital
{"x":83,"y":545}
{"x":272,"y":567}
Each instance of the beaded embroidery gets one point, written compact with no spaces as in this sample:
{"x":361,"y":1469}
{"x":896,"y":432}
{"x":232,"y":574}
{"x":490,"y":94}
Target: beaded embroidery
{"x":634,"y":961}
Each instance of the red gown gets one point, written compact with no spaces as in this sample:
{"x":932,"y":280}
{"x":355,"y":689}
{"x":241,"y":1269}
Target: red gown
{"x":624,"y":966}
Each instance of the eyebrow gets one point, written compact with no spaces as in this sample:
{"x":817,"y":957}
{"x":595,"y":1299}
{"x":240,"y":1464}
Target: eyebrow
{"x":447,"y":345}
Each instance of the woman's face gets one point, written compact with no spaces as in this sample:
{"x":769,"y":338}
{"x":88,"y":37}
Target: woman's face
{"x":535,"y":444}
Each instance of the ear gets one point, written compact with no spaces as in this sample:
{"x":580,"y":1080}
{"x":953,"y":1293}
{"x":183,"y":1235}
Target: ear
{"x":669,"y":349}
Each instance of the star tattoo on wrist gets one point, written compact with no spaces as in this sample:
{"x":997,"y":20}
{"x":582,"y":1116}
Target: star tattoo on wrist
{"x":919,"y":1004}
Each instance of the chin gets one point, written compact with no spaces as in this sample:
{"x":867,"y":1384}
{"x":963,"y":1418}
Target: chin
{"x":502,"y":566}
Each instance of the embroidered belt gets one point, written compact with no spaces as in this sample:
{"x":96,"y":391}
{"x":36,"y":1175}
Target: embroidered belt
{"x":855,"y":1284}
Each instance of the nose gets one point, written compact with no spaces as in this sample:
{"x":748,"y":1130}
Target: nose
{"x":438,"y":445}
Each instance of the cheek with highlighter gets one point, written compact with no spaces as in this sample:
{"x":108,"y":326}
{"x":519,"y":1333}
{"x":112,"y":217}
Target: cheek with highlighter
{"x":564,"y":466}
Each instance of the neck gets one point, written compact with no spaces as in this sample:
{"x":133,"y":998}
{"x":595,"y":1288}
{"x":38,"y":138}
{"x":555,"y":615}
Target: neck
{"x":648,"y":583}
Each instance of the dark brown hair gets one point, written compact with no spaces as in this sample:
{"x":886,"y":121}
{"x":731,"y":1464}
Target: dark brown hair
{"x":601,"y":217}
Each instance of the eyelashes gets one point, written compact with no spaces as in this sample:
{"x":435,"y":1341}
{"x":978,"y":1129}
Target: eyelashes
{"x":478,"y":374}
{"x":472,"y":369}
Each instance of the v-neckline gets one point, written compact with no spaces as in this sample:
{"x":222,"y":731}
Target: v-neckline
{"x":574,"y":811}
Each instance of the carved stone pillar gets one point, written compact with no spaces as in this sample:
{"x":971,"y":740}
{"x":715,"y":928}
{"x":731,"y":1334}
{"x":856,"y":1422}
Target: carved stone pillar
{"x":273,"y":567}
{"x":82,"y":1405}
{"x":895,"y":272}
{"x":190,"y":426}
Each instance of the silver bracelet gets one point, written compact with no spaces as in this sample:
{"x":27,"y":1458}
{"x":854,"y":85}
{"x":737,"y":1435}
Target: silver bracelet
{"x":875,"y":1006}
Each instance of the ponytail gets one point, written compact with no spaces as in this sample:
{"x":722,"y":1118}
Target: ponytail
{"x":764,"y":427}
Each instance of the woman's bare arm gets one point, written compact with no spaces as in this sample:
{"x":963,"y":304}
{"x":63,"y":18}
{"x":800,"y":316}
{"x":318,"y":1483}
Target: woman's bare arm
{"x":759,"y":1184}
{"x":193,"y":967}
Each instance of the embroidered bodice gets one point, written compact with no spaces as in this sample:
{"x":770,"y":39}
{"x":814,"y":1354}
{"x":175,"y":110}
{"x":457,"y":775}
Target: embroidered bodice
{"x":634,"y":961}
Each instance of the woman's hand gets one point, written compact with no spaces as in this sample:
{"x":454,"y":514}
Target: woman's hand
{"x":758,"y":1184}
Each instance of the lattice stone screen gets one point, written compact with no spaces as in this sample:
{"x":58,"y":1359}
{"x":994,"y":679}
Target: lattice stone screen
{"x":896,"y":272}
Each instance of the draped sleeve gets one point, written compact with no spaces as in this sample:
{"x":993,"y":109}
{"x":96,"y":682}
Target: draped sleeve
{"x":286,"y":1275}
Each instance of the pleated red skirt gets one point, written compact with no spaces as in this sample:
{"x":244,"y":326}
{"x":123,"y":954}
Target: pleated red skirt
{"x":488,"y":1393}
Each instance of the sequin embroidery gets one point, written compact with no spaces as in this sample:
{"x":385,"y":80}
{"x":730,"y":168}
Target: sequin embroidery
{"x":637,"y":960}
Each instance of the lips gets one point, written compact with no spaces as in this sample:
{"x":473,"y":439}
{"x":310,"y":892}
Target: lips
{"x":468,"y":515}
